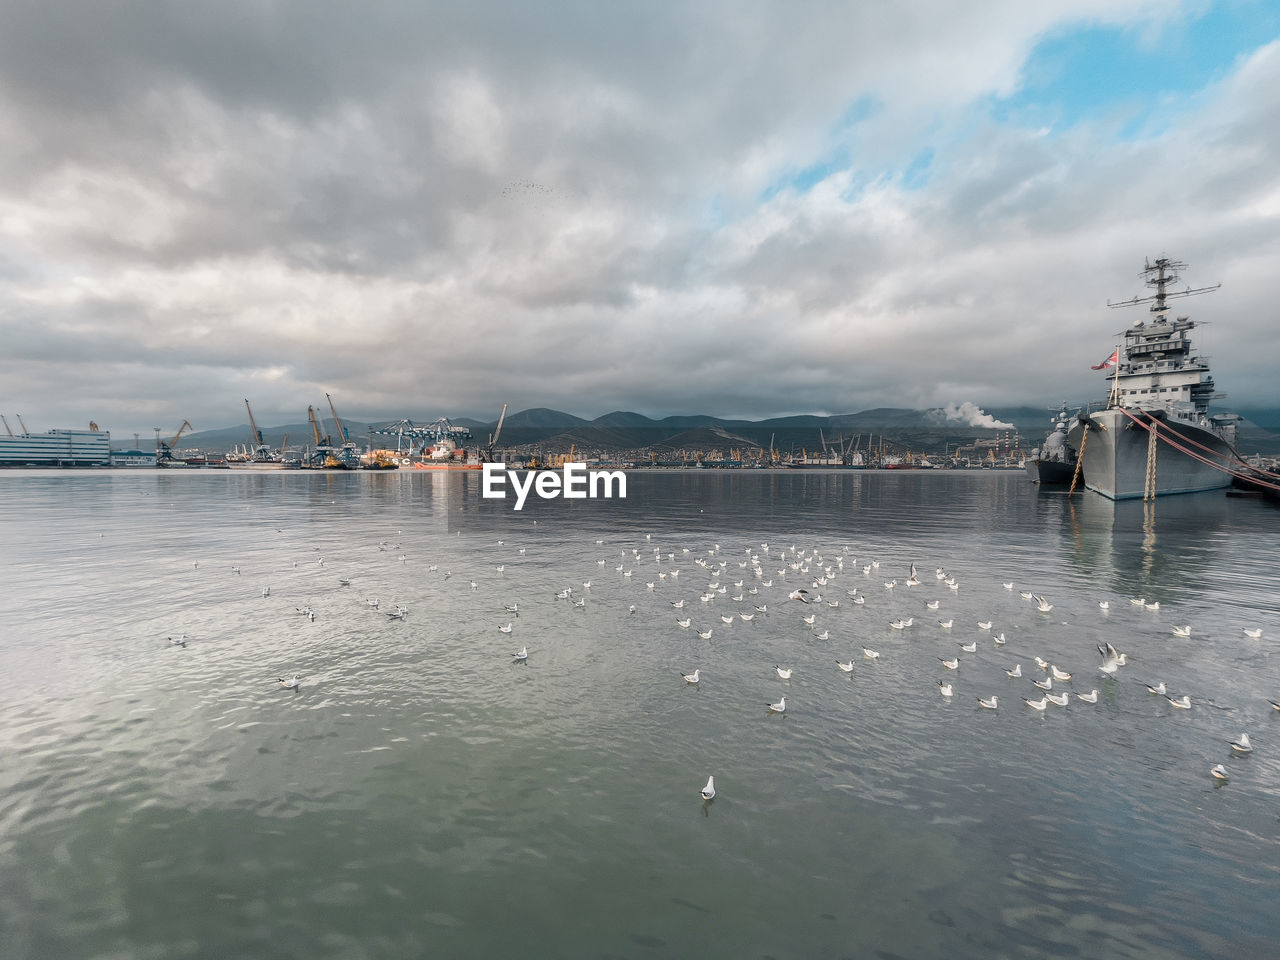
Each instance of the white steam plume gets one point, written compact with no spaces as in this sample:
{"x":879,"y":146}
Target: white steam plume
{"x":973,"y":415}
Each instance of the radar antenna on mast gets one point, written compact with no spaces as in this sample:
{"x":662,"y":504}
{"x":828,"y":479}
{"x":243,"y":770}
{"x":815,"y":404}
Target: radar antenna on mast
{"x":1159,"y":274}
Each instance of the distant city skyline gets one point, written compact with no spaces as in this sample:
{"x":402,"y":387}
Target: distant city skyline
{"x":716,"y":209}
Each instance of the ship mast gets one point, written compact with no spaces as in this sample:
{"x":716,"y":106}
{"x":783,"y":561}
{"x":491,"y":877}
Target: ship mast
{"x":1159,"y":274}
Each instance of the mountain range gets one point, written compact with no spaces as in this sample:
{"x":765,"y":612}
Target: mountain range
{"x":928,"y":431}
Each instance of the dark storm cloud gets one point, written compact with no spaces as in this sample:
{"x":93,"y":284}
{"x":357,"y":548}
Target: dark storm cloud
{"x":436,"y":209}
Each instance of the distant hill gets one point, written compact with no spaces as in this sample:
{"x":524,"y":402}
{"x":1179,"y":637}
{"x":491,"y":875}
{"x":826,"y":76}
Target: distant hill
{"x":539,"y":418}
{"x":555,"y":431}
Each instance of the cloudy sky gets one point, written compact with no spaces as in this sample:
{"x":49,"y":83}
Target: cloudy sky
{"x":726,"y":207}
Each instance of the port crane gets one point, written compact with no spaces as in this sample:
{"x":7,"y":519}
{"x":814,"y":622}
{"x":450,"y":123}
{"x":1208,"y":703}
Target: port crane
{"x":164,"y":451}
{"x":259,"y":447}
{"x":323,"y":456}
{"x":348,"y":451}
{"x":493,"y":437}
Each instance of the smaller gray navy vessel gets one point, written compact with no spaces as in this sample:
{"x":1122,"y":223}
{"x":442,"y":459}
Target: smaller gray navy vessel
{"x":1054,"y":463}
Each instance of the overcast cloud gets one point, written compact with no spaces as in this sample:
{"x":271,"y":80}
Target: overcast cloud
{"x":740,"y":209}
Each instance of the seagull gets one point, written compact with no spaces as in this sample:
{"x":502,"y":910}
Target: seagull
{"x":824,"y":635}
{"x":1043,"y":605}
{"x":1219,"y":772}
{"x":800,"y":595}
{"x":1242,"y":745}
{"x":1090,"y":697}
{"x":179,"y":641}
{"x":344,"y":581}
{"x":1111,"y":660}
{"x":1059,"y":674}
{"x":1104,"y":605}
{"x":709,"y":791}
{"x":1036,"y":704}
{"x":875,"y":655}
{"x":1138,"y":601}
{"x":1045,"y":684}
{"x":266,"y":591}
{"x":890,"y":584}
{"x":1158,"y":689}
{"x":946,"y":624}
{"x":1152,"y":606}
{"x":944,"y":688}
{"x":969,"y":647}
{"x":692,"y":677}
{"x":1253,"y":634}
{"x":724,"y":619}
{"x":984,"y":624}
{"x":989,"y":704}
{"x":506,"y":629}
{"x":1000,"y":640}
{"x":685,"y":622}
{"x":1042,"y":663}
{"x":933,"y":604}
{"x":678,"y":604}
{"x":846,"y":667}
{"x":809,"y":619}
{"x":514,"y":608}
{"x":1015,"y":673}
{"x":1182,"y":703}
{"x":779,"y":707}
{"x":746,"y":617}
{"x":952,"y":664}
{"x":898,"y":624}
{"x":522,"y":655}
{"x":1184,"y":631}
{"x":1007,"y":586}
{"x":784,"y":674}
{"x":293,"y":683}
{"x":705,"y":636}
{"x":1026,"y":595}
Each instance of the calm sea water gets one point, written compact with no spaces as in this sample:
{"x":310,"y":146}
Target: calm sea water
{"x":422,"y":794}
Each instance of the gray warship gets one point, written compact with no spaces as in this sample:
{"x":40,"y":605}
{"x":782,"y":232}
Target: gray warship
{"x":1053,"y":463}
{"x":1154,"y":436}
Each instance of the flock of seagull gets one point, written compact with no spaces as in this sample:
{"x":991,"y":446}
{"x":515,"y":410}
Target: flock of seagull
{"x":824,"y":579}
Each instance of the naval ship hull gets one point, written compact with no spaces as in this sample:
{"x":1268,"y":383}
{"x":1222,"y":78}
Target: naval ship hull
{"x":1050,"y":473}
{"x":1115,"y":457}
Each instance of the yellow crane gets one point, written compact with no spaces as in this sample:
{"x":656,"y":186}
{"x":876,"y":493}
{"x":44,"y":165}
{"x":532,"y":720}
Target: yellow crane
{"x":165,"y":450}
{"x":259,"y":448}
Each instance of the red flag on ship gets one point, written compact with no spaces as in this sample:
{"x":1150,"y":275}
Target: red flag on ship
{"x":1111,"y":361}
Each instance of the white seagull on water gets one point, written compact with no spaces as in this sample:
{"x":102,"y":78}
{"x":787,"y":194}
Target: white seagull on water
{"x":692,"y":677}
{"x":779,"y":707}
{"x":1242,"y":745}
{"x":293,"y":683}
{"x":709,"y":791}
{"x":988,"y":704}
